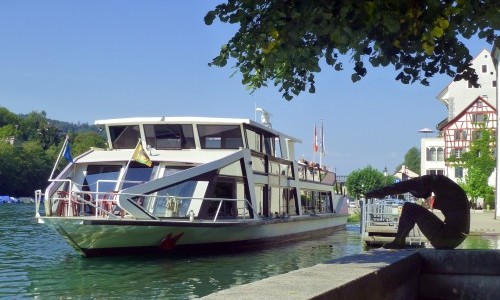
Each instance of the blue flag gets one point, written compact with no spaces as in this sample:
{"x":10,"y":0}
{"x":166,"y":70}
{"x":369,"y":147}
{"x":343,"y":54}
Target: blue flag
{"x":67,"y":153}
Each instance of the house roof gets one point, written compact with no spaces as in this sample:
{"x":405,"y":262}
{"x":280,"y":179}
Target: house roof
{"x":457,"y":117}
{"x":406,"y":172}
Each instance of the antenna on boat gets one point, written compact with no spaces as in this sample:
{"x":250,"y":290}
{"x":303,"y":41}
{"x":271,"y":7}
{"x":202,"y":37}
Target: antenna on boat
{"x":265,"y":117}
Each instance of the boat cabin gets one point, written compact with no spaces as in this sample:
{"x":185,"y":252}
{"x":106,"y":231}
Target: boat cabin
{"x":200,"y":168}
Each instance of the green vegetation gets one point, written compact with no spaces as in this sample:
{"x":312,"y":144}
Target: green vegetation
{"x":361,"y":181}
{"x":479,"y":161}
{"x":412,"y":160}
{"x":355,"y":217}
{"x":287,"y":41}
{"x":29,"y":146}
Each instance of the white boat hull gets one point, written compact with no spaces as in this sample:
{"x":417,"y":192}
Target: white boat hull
{"x":93,"y":237}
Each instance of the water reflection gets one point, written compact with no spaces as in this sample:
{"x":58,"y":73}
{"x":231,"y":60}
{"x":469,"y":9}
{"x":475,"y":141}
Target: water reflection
{"x":37,"y":263}
{"x":481,"y":242}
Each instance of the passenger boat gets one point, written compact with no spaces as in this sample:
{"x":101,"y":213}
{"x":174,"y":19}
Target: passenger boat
{"x":189,"y":183}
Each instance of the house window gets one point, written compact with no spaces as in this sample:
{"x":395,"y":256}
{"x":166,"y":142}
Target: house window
{"x":476,"y":135}
{"x":458,"y":152}
{"x":470,"y":85}
{"x":484,"y":68}
{"x":459,"y":172}
{"x":479,"y":118}
{"x":440,"y":154}
{"x":460,"y":135}
{"x":432,"y":155}
{"x":435,"y":172}
{"x":494,"y":83}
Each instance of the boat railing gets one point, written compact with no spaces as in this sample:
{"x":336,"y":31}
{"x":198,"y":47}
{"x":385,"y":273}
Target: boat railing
{"x":105,"y":204}
{"x":38,"y":200}
{"x":246,"y":206}
{"x":382,"y":214}
{"x":312,"y":172}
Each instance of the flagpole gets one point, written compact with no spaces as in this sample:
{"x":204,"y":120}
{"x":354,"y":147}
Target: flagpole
{"x":321,"y":147}
{"x":59,"y":157}
{"x":128,"y":163}
{"x":314,"y":143}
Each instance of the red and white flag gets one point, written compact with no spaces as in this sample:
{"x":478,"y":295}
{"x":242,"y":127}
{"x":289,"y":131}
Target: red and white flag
{"x":315,"y":142}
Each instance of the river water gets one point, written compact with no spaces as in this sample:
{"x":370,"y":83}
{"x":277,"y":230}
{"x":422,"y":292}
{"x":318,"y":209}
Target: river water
{"x":36,"y":263}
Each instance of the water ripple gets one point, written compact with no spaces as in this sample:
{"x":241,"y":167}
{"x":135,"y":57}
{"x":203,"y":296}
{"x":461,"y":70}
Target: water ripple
{"x":36,"y":263}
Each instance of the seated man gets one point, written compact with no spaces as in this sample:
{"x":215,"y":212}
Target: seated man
{"x":448,"y":197}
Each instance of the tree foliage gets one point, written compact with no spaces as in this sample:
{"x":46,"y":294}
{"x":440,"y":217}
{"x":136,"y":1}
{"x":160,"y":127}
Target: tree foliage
{"x":479,"y":161}
{"x":86,"y":140}
{"x":25,"y":166}
{"x":285,"y":41}
{"x":361,"y":181}
{"x":412,"y":160}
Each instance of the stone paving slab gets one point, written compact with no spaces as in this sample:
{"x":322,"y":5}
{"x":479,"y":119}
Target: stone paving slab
{"x":484,"y":223}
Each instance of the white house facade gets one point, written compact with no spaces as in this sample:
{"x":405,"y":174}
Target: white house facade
{"x":432,"y":156}
{"x":467,"y":106}
{"x":459,"y":94}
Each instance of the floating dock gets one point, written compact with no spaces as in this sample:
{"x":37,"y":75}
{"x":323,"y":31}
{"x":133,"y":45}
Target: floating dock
{"x":379,"y":224}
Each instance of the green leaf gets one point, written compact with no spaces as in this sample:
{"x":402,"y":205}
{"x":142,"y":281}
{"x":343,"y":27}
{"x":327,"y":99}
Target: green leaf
{"x":209,"y":18}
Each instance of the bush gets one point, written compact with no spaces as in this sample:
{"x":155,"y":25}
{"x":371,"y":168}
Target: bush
{"x":354,"y":217}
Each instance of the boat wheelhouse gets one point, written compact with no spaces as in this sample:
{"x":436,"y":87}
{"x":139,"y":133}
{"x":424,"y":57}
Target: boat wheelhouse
{"x":172,"y":183}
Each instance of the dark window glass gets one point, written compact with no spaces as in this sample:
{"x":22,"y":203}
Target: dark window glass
{"x":220,"y":136}
{"x":124,"y":137}
{"x":137,"y":173}
{"x":169,"y":136}
{"x":102,"y":178}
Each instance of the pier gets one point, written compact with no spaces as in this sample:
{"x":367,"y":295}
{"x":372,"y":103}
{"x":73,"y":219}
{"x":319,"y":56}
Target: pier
{"x":384,"y":274}
{"x":390,"y":274}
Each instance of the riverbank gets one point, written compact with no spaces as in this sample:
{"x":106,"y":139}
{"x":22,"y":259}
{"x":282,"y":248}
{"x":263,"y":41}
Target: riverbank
{"x":384,"y":274}
{"x":482,"y":222}
{"x":352,"y":275}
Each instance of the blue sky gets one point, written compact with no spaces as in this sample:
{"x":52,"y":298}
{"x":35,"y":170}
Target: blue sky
{"x":80,"y":61}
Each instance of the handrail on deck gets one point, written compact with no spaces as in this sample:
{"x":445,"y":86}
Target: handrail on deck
{"x":97,"y":198}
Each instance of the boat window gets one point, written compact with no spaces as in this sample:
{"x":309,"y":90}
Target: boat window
{"x":169,"y":136}
{"x":277,"y":148}
{"x":253,"y":140}
{"x":136,"y":174}
{"x":269,"y":145}
{"x":220,"y":136}
{"x":174,"y":201}
{"x":102,"y":178}
{"x":124,"y":137}
{"x":169,"y":170}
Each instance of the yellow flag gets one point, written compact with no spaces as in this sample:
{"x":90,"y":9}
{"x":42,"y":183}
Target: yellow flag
{"x":140,"y":156}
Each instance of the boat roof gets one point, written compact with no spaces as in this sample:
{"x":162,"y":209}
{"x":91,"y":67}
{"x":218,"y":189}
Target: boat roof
{"x":190,"y":120}
{"x":120,"y":155}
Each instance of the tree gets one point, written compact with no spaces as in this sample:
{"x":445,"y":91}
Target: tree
{"x":85,"y":140}
{"x":479,"y":161}
{"x":286,"y":41}
{"x":412,"y":160}
{"x":364,"y":180}
{"x":8,"y":118}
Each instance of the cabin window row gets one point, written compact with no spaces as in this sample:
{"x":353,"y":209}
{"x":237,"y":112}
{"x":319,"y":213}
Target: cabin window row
{"x":181,"y":136}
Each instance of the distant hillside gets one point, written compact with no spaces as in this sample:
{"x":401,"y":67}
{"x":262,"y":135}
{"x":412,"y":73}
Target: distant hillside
{"x":67,"y":126}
